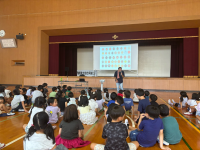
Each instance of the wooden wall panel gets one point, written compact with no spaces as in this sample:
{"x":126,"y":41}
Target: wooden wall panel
{"x":162,"y":84}
{"x":176,"y":84}
{"x":191,"y":85}
{"x":30,"y":17}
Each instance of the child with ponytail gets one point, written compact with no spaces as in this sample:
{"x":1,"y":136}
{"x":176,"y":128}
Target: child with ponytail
{"x":38,"y":106}
{"x":40,"y":135}
{"x":106,"y":95}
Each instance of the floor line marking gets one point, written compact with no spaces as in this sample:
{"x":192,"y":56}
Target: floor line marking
{"x":133,"y":124}
{"x":186,"y":143}
{"x":15,"y":140}
{"x":182,"y":117}
{"x":12,"y":117}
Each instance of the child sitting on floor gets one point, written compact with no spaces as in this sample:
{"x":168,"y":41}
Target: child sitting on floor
{"x":62,"y":101}
{"x":53,"y":93}
{"x":135,"y":98}
{"x":120,"y":93}
{"x":183,"y":100}
{"x":17,"y":104}
{"x":128,"y":102}
{"x":148,"y":130}
{"x":172,"y":134}
{"x":38,"y":106}
{"x":153,"y":99}
{"x":198,"y":112}
{"x":86,"y":115}
{"x":192,"y":104}
{"x":106,"y":95}
{"x":69,"y":88}
{"x":37,"y":93}
{"x":40,"y":136}
{"x":92,"y":102}
{"x":113,"y":97}
{"x":4,"y":108}
{"x":71,"y":129}
{"x":71,"y":99}
{"x":146,"y":93}
{"x":99,"y":100}
{"x":53,"y":110}
{"x":115,"y":133}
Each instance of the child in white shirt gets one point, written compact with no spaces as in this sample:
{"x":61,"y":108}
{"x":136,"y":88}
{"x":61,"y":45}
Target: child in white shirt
{"x":183,"y":100}
{"x":92,"y":102}
{"x":40,"y":136}
{"x":71,"y":99}
{"x":192,"y":104}
{"x":135,"y":98}
{"x":106,"y":95}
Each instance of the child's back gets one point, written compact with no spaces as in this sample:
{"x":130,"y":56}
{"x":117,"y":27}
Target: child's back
{"x":53,"y":113}
{"x":143,"y":104}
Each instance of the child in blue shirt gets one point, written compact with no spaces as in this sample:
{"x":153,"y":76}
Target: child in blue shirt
{"x":146,"y":93}
{"x":148,"y":130}
{"x":113,"y":97}
{"x":143,"y":103}
{"x":128,"y":102}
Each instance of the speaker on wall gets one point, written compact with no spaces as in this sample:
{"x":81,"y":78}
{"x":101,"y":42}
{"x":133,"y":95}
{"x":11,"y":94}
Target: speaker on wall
{"x":20,"y":36}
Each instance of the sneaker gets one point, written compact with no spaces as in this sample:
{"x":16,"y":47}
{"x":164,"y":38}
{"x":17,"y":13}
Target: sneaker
{"x":21,"y":110}
{"x":198,"y":121}
{"x":187,"y":113}
{"x":169,"y":102}
{"x":54,"y":127}
{"x":173,"y":101}
{"x":126,"y":123}
{"x":2,"y":145}
{"x":10,"y":114}
{"x":164,"y":142}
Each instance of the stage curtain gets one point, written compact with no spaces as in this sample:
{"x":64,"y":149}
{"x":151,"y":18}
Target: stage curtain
{"x":53,"y":58}
{"x":71,"y":60}
{"x":191,"y":56}
{"x":62,"y":59}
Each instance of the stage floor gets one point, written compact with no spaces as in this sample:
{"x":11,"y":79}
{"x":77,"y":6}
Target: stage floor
{"x":12,"y":132}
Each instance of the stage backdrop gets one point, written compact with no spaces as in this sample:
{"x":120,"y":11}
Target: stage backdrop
{"x":184,"y":48}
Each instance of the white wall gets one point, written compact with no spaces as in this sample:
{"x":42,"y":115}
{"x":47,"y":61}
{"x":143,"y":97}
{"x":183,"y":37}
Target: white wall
{"x":154,"y":61}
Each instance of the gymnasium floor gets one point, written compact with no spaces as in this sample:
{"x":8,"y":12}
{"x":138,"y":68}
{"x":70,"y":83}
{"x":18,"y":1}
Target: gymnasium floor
{"x":12,"y":132}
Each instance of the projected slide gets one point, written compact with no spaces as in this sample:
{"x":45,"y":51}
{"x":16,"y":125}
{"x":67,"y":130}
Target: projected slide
{"x":112,"y":57}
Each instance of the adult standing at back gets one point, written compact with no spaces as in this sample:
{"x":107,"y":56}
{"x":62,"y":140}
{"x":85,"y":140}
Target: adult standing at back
{"x":119,"y":75}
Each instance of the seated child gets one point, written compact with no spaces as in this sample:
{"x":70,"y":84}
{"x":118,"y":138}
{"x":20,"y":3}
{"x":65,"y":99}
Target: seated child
{"x":115,"y":133}
{"x":113,"y":97}
{"x":99,"y":100}
{"x":198,"y":112}
{"x":62,"y":101}
{"x":71,"y":99}
{"x":135,"y":98}
{"x":26,"y":99}
{"x":192,"y":104}
{"x":118,"y":101}
{"x":69,"y":88}
{"x":143,"y":103}
{"x":71,"y":129}
{"x":106,"y":95}
{"x":39,"y":106}
{"x":58,"y":88}
{"x":89,"y":92}
{"x":53,"y":93}
{"x":153,"y":99}
{"x":86,"y":115}
{"x":120,"y":93}
{"x":17,"y":104}
{"x":7,"y":92}
{"x":45,"y":92}
{"x":40,"y":136}
{"x":148,"y":130}
{"x":4,"y":108}
{"x":64,"y":88}
{"x":183,"y":100}
{"x":83,"y":93}
{"x":53,"y":110}
{"x":2,"y":91}
{"x":172,"y":134}
{"x":128,"y":102}
{"x":146,"y":93}
{"x":92,"y":102}
{"x":37,"y":93}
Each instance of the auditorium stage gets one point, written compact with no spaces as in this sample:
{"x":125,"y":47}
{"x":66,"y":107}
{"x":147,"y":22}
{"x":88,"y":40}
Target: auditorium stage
{"x":171,"y":84}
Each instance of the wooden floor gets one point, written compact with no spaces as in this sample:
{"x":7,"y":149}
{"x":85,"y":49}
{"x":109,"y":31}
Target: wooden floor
{"x":12,"y":133}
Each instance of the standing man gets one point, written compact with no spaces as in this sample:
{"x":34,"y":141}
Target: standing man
{"x":119,"y":75}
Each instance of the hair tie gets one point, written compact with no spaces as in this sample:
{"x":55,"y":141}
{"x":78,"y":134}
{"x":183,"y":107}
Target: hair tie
{"x":32,"y":125}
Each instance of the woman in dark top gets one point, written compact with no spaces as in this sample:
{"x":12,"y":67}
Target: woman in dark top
{"x":71,"y":129}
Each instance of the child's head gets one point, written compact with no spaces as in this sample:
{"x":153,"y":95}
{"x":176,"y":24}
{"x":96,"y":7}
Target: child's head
{"x":41,"y":122}
{"x":18,"y":86}
{"x":127,"y":93}
{"x":16,"y":92}
{"x":117,"y":113}
{"x":24,"y":90}
{"x":52,"y":101}
{"x":164,"y":110}
{"x":45,"y":85}
{"x":121,"y":91}
{"x":71,"y":113}
{"x":98,"y":93}
{"x":33,"y":89}
{"x":70,"y":95}
{"x":183,"y":94}
{"x":119,"y":100}
{"x":2,"y":100}
{"x":93,"y":95}
{"x":54,"y":89}
{"x":106,"y":91}
{"x":2,"y":89}
{"x":146,"y":93}
{"x":40,"y":88}
{"x":153,"y":97}
{"x":83,"y":101}
{"x":195,"y":96}
{"x":135,"y":91}
{"x":60,"y":94}
{"x":64,"y":86}
{"x":39,"y":102}
{"x":69,"y":88}
{"x":30,"y":87}
{"x":89,"y":90}
{"x":82,"y":92}
{"x":140,"y":93}
{"x":58,"y":88}
{"x":113,"y":95}
{"x":152,"y":111}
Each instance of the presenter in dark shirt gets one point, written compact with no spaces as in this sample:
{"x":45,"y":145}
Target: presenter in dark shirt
{"x":119,"y":75}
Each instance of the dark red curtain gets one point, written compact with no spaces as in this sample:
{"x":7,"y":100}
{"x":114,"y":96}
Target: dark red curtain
{"x":53,"y":58}
{"x":71,"y":61}
{"x":62,"y":59}
{"x":190,"y":63}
